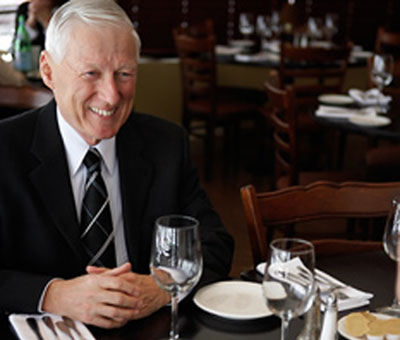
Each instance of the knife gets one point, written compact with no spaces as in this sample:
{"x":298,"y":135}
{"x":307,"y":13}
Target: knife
{"x":50,"y":324}
{"x":64,"y":328}
{"x":71,"y":324}
{"x":32,"y":322}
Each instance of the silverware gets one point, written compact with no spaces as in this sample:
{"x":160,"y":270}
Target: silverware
{"x":64,"y":328}
{"x":71,"y":324}
{"x":33,"y":324}
{"x":50,"y":324}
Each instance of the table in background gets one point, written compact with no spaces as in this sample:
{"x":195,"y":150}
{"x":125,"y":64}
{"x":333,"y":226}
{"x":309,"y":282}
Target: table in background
{"x":373,"y":272}
{"x":16,"y":99}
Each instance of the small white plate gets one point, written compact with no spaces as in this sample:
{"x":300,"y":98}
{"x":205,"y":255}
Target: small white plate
{"x":238,"y":300}
{"x":241,"y":43}
{"x":336,"y":99}
{"x":369,"y":120}
{"x":342,"y":327}
{"x":361,"y":54}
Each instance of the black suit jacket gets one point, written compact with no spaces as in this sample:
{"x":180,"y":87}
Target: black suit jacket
{"x":39,"y":231}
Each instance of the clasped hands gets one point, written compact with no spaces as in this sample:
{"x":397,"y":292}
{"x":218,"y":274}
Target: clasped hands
{"x":106,"y":298}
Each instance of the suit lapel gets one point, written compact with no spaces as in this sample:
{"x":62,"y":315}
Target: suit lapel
{"x":135,"y":177}
{"x":51,"y":178}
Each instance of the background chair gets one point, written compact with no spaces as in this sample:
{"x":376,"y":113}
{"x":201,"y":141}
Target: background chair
{"x":360,"y":204}
{"x":207,"y":106}
{"x":280,"y":110}
{"x":313,"y":71}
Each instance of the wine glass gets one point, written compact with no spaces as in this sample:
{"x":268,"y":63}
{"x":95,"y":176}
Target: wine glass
{"x":176,"y":259}
{"x":330,"y":28}
{"x":391,"y":242}
{"x":288,"y":284}
{"x":246,"y":24}
{"x":381,"y":72}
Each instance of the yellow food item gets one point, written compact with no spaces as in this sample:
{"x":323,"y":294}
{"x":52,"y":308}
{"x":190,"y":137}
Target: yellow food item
{"x":377,"y":327}
{"x":392,"y":326}
{"x":356,"y":324}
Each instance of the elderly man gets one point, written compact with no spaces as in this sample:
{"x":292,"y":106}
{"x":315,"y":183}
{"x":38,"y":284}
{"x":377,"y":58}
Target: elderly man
{"x":57,"y":254}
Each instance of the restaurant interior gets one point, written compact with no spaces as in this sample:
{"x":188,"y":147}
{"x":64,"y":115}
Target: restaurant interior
{"x":244,"y":148}
{"x":290,"y":106}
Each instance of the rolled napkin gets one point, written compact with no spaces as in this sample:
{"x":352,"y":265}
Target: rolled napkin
{"x":342,"y":112}
{"x":48,"y":327}
{"x":348,"y":297}
{"x":370,"y":97}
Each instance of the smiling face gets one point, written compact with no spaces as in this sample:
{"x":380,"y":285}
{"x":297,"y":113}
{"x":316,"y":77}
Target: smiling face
{"x":95,"y":84}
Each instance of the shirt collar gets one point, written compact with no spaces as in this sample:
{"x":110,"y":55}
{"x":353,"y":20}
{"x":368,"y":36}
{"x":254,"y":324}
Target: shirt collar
{"x":76,"y":147}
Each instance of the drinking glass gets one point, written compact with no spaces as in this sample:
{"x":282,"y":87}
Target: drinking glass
{"x":246,"y":24}
{"x":288,"y":284}
{"x":391,"y":242}
{"x":382,"y":70}
{"x":176,"y":259}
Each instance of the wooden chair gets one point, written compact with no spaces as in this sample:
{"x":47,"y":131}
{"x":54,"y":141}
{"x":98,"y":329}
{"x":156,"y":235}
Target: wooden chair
{"x":206,"y":105}
{"x":281,"y":112}
{"x":314,"y":70}
{"x":364,"y":205}
{"x":387,"y":42}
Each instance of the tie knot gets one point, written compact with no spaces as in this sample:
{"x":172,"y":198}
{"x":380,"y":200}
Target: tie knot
{"x":92,"y":160}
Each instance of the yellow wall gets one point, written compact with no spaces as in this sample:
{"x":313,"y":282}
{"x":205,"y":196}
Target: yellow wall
{"x":159,"y":85}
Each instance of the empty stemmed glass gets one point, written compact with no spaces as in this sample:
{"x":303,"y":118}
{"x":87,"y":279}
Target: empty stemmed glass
{"x":381,"y":72}
{"x":287,"y":293}
{"x":391,"y":244}
{"x":176,"y":259}
{"x":246,"y":24}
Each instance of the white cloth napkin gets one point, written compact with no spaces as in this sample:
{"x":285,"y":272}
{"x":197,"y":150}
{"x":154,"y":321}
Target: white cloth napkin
{"x":356,"y":298}
{"x":24,"y":332}
{"x":343,"y":112}
{"x":370,"y":97}
{"x":263,"y":56}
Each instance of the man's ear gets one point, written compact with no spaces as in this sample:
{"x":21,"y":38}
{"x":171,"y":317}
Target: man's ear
{"x":46,"y":69}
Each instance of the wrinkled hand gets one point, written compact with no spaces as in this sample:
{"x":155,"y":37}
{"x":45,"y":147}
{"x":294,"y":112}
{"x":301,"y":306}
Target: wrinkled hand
{"x":105,"y":298}
{"x":149,"y":296}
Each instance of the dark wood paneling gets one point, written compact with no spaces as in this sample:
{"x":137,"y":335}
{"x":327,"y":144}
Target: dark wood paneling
{"x":155,"y":19}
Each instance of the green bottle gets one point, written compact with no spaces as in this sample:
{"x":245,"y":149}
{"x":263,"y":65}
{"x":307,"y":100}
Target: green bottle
{"x":23,"y":60}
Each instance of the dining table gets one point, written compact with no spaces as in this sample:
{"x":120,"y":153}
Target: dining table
{"x":372,"y":272}
{"x":17,"y":99}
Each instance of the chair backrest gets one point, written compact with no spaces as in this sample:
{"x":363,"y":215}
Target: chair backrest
{"x":387,"y":42}
{"x":280,"y":110}
{"x":314,"y":70}
{"x":318,"y":201}
{"x":196,"y":51}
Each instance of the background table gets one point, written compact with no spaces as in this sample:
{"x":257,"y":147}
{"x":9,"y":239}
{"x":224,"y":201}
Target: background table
{"x":373,"y":272}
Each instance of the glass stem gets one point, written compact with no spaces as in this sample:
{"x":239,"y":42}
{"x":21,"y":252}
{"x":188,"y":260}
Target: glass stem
{"x":174,"y":332}
{"x":284,"y":328}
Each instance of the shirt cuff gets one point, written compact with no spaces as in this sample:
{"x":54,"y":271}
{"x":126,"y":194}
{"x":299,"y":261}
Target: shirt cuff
{"x":40,"y":305}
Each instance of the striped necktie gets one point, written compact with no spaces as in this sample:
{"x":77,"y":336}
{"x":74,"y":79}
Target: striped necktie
{"x":96,"y":224}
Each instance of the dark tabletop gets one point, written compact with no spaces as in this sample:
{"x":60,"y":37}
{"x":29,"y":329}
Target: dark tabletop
{"x":372,"y":272}
{"x":389,"y":132}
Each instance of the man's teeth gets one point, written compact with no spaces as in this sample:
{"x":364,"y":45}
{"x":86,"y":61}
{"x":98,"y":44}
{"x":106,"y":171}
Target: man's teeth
{"x":101,"y":112}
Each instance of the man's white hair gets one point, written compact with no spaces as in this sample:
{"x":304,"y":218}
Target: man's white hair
{"x":92,"y":12}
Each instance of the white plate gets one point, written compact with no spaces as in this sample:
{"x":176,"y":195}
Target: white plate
{"x":239,"y":300}
{"x":336,"y":99}
{"x":342,"y":328}
{"x":361,"y":54}
{"x":367,"y":120}
{"x":241,"y":43}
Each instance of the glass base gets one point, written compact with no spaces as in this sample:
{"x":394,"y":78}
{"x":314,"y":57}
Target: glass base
{"x":393,"y":310}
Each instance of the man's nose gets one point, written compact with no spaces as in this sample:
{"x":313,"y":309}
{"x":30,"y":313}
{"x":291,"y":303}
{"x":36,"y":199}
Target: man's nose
{"x":109,"y":91}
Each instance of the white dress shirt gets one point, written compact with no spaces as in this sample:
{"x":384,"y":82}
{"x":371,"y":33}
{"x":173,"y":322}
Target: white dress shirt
{"x":76,"y":149}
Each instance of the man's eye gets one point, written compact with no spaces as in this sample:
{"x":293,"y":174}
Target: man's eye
{"x":90,"y":74}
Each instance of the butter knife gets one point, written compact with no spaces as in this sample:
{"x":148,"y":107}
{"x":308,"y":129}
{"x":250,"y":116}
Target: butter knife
{"x":71,"y":324}
{"x":50,"y":324}
{"x":33,"y":324}
{"x":64,"y":328}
